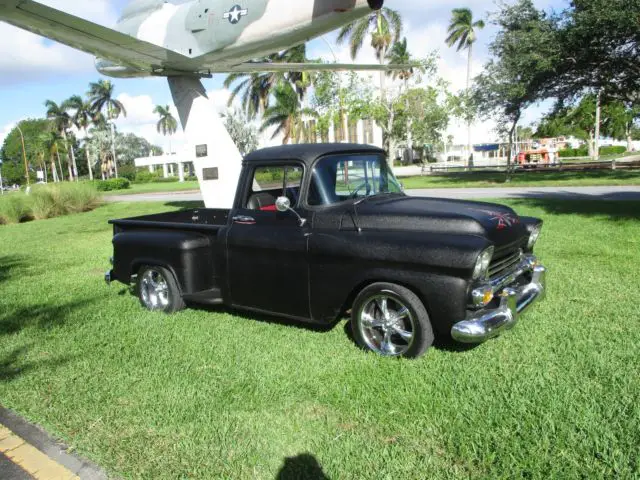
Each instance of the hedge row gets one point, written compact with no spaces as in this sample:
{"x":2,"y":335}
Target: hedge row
{"x":584,"y":151}
{"x":112,"y":184}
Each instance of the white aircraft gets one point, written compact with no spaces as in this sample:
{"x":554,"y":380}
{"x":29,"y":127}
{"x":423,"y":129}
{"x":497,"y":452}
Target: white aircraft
{"x":192,"y":40}
{"x":199,"y":37}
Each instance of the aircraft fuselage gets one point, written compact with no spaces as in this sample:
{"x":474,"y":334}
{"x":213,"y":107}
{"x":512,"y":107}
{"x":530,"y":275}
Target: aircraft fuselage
{"x":230,"y":32}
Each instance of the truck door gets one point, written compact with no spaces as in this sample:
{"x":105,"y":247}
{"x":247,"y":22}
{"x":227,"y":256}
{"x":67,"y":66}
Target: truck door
{"x":267,"y":250}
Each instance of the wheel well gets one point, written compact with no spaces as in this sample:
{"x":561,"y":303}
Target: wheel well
{"x":354,"y":293}
{"x":137,"y":264}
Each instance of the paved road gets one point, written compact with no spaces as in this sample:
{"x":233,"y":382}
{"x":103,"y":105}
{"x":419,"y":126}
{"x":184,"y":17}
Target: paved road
{"x":575,"y":193}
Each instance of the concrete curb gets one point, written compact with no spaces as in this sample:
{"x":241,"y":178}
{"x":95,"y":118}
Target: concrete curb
{"x":55,"y":450}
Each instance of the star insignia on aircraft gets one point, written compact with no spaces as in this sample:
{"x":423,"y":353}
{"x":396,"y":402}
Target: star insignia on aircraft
{"x":235,"y":14}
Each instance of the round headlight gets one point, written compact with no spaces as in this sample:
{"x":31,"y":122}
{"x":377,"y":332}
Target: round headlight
{"x":482,"y":264}
{"x":533,"y":237}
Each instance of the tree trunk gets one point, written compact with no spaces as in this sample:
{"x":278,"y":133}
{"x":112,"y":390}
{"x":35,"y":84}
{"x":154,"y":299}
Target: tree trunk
{"x":73,"y":157}
{"x":113,"y":148}
{"x":590,"y":145}
{"x":470,"y":147}
{"x":86,"y":151}
{"x":597,"y":128}
{"x":629,"y":138}
{"x":510,"y":149}
{"x":61,"y":178}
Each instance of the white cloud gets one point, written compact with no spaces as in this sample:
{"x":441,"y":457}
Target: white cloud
{"x":5,"y":131}
{"x":29,"y":56}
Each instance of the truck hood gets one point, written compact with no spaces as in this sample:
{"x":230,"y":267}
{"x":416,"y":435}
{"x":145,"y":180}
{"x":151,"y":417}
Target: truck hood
{"x":498,"y":223}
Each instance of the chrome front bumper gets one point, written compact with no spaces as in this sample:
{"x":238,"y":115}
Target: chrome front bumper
{"x":488,"y":323}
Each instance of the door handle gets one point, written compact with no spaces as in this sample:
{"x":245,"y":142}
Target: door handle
{"x":244,"y":220}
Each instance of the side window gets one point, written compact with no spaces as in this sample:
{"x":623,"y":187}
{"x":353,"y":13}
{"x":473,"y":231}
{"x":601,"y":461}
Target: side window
{"x":269,"y":183}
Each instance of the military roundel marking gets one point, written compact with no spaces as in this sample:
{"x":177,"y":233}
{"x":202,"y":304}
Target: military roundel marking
{"x":235,"y":14}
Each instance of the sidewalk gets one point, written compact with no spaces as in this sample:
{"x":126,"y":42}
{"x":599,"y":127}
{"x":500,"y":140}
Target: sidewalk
{"x":28,"y":452}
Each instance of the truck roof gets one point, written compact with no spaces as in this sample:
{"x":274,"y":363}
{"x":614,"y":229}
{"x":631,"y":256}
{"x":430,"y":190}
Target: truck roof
{"x":307,"y":153}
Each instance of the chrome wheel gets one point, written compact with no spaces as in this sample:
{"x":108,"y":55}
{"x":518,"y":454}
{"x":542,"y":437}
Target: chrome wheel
{"x":154,"y":290}
{"x":386,"y":324}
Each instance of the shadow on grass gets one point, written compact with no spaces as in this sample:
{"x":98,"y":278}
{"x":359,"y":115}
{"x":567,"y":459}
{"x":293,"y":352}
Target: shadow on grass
{"x":585,"y":205}
{"x":8,"y":265}
{"x":13,"y":365}
{"x":185,"y":205}
{"x":301,"y":467}
{"x":265,"y":318}
{"x":43,"y":316}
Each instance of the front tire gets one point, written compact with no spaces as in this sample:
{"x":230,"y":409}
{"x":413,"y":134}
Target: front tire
{"x":158,"y":290}
{"x":391,"y":320}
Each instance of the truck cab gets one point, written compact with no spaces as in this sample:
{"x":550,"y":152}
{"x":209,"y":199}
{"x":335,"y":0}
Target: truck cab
{"x":321,"y":231}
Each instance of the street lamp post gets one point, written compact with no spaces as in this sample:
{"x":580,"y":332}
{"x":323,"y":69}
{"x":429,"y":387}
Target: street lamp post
{"x":24,"y":156}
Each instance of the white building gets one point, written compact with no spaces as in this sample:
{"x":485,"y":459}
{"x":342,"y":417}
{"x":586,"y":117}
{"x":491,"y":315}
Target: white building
{"x":362,"y":131}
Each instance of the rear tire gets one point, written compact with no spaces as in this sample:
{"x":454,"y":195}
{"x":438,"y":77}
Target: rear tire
{"x":158,"y":290}
{"x":391,"y":320}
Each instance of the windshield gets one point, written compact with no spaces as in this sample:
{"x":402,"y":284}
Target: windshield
{"x":338,"y":178}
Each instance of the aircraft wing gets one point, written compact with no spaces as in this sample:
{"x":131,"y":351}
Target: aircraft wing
{"x":122,"y":49}
{"x":251,"y":67}
{"x":87,"y":36}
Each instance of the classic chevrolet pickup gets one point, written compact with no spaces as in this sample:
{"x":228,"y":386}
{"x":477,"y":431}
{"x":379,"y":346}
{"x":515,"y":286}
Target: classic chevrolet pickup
{"x":320,"y":231}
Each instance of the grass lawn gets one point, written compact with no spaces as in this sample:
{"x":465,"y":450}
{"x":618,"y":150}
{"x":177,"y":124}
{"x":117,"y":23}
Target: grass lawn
{"x":527,"y":179}
{"x":212,"y":394}
{"x":156,"y":187}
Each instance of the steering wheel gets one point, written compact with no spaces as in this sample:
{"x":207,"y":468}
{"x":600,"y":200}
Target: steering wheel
{"x":366,"y":184}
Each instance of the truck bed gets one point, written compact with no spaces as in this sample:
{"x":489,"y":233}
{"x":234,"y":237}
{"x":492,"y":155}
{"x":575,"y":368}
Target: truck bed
{"x":192,"y":219}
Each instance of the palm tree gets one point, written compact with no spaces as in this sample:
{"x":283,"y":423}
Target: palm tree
{"x":82,"y":118}
{"x":399,"y":55}
{"x":49,"y":141}
{"x":255,"y":88}
{"x":385,"y":28}
{"x":462,"y":33}
{"x":105,"y":106}
{"x":167,"y":125}
{"x":287,"y":115}
{"x":62,"y":122}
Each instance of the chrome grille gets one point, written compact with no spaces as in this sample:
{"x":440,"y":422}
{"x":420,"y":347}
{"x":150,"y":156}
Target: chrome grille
{"x":504,"y":263}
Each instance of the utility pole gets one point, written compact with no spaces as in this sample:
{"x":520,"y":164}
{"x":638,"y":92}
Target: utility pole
{"x":24,"y":156}
{"x":596,"y":153}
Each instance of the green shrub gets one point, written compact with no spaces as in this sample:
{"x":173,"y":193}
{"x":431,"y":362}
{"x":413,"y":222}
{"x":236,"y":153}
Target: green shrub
{"x":112,"y":184}
{"x":165,"y":180}
{"x":50,"y":201}
{"x":574,"y":152}
{"x":191,"y":179}
{"x":14,"y":208}
{"x":617,"y":150}
{"x":144,"y":177}
{"x":128,"y":171}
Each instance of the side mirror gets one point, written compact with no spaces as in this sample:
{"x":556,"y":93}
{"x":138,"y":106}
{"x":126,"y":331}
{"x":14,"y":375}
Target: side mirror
{"x":283,"y":204}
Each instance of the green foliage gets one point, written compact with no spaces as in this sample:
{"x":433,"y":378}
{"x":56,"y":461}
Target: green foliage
{"x":48,"y":201}
{"x":128,"y":171}
{"x":112,"y":184}
{"x":167,"y":125}
{"x":13,"y":170}
{"x":243,"y":132}
{"x":145,"y":176}
{"x":286,"y":114}
{"x":383,"y":26}
{"x":613,"y":150}
{"x":165,"y":180}
{"x":14,"y":208}
{"x":427,"y":116}
{"x":462,"y":29}
{"x":574,"y":152}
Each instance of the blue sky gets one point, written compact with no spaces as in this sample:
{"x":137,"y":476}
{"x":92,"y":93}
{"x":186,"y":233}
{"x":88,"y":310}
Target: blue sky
{"x":33,"y":70}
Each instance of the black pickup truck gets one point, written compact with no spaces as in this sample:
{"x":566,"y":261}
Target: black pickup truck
{"x":320,"y":231}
